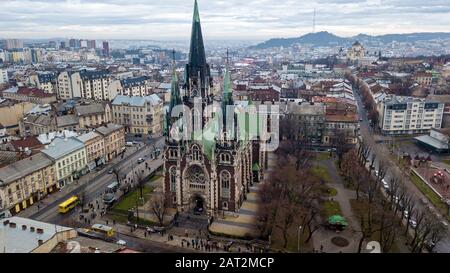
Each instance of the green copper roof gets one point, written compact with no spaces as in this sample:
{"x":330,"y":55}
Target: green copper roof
{"x":196,"y":17}
{"x":226,"y":95}
{"x":197,"y":56}
{"x":175,"y":98}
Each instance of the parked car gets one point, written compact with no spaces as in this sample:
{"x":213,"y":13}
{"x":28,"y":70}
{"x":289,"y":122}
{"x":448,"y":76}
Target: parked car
{"x":413,"y":223}
{"x":140,"y":160}
{"x":444,"y":224}
{"x":110,"y":171}
{"x":121,"y":242}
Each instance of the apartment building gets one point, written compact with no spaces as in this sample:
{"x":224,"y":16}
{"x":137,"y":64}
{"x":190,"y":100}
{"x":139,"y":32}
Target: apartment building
{"x":409,"y":115}
{"x":114,"y":138}
{"x":25,"y":182}
{"x":69,"y":155}
{"x":44,"y":81}
{"x":423,"y":78}
{"x":307,"y":121}
{"x":92,"y":84}
{"x":3,"y":76}
{"x":93,"y":114}
{"x":137,"y":86}
{"x":95,"y":149}
{"x":84,"y":84}
{"x":65,"y":86}
{"x":139,"y":115}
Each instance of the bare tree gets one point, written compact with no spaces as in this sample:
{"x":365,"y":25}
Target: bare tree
{"x":158,"y":205}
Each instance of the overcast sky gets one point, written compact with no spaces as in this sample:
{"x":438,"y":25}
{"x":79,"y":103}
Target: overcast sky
{"x":221,"y":19}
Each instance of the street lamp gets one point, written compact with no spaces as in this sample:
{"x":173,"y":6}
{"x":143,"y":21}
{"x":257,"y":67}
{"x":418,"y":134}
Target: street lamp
{"x":298,"y":238}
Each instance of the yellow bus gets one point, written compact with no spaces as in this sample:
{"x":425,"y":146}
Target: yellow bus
{"x":103,"y":230}
{"x":69,"y":204}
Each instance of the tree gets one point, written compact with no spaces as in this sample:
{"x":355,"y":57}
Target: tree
{"x":158,"y":205}
{"x":141,"y":183}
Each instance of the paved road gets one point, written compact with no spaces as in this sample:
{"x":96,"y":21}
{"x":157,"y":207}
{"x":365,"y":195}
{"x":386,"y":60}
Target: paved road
{"x":382,"y":154}
{"x":97,"y":185}
{"x":151,"y":246}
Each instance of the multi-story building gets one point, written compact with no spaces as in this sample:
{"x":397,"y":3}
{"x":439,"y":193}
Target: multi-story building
{"x":95,"y":149}
{"x":25,"y":94}
{"x":84,"y":84}
{"x":44,"y":81}
{"x":423,"y":78}
{"x":25,"y":182}
{"x":93,"y":114}
{"x":137,"y":86}
{"x":114,"y":138}
{"x":91,"y":84}
{"x":139,"y":115}
{"x":341,"y":127}
{"x":65,"y":86}
{"x":69,"y":155}
{"x":306,"y":121}
{"x":409,"y":115}
{"x":11,"y":113}
{"x":3,"y":76}
{"x":14,"y":44}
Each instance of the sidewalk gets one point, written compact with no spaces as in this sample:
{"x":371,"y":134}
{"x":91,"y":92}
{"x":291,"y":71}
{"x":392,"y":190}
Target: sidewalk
{"x":28,"y":212}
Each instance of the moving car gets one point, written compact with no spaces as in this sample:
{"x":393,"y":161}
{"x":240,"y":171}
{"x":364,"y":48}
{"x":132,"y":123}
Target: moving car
{"x":121,"y":242}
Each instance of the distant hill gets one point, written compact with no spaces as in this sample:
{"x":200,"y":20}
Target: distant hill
{"x":325,"y":38}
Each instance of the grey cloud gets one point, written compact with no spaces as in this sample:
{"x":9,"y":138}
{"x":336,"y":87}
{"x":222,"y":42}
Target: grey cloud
{"x":221,"y":19}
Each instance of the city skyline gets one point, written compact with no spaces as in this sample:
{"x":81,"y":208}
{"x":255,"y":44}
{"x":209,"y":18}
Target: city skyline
{"x":253,"y":20}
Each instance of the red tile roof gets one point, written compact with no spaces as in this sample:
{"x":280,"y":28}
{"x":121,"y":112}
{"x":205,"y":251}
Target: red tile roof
{"x":33,"y":92}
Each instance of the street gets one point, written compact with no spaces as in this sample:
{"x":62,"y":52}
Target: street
{"x":382,"y":155}
{"x":94,"y":186}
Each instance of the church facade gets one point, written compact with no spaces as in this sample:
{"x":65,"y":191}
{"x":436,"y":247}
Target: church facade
{"x":209,"y":177}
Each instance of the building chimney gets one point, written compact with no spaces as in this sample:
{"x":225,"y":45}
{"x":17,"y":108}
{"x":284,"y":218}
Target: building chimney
{"x":5,"y":223}
{"x":12,"y":225}
{"x":32,"y":229}
{"x":40,"y":242}
{"x":39,"y":231}
{"x":24,"y":227}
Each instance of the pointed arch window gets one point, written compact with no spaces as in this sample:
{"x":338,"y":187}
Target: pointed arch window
{"x":225,"y":179}
{"x":196,"y":153}
{"x":173,"y":178}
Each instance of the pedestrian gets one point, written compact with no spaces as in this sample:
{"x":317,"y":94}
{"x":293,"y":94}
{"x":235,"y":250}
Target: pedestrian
{"x":106,"y":222}
{"x":114,"y":222}
{"x":145,"y":234}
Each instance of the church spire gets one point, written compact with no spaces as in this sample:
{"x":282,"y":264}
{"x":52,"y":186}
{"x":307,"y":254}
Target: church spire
{"x":197,"y":73}
{"x":226,"y":93}
{"x":175,"y":97}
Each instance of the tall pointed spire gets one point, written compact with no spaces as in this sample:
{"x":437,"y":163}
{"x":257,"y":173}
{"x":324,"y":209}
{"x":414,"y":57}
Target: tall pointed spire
{"x":175,"y":97}
{"x":197,"y":73}
{"x":197,"y":57}
{"x":226,"y":93}
{"x":196,"y":17}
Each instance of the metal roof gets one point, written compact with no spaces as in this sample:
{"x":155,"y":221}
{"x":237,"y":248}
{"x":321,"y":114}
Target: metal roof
{"x":18,"y":240}
{"x":61,"y":147}
{"x":24,"y":167}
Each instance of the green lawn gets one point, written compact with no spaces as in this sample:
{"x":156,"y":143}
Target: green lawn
{"x":446,"y":161}
{"x":328,"y":191}
{"x":322,"y":173}
{"x":322,"y":156}
{"x":129,"y":201}
{"x":330,"y":208}
{"x":428,"y":192}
